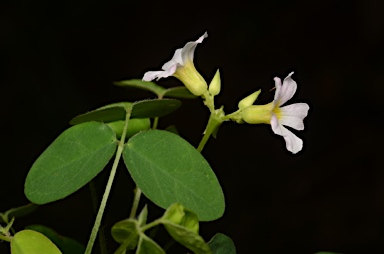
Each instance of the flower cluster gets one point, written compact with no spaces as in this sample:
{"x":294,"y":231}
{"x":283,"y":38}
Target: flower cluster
{"x":274,"y":113}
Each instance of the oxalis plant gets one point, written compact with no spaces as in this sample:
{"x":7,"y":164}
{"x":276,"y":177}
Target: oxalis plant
{"x":168,"y":170}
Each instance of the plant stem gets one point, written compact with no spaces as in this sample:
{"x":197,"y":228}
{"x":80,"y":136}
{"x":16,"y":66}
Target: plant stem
{"x":213,"y":124}
{"x":5,"y":238}
{"x":155,"y":123}
{"x":103,"y":203}
{"x":103,"y":246}
{"x":135,"y":203}
{"x":151,"y":225}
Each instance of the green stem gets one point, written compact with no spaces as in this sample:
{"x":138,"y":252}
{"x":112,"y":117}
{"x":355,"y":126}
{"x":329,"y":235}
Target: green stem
{"x":5,"y":238}
{"x":92,"y":188}
{"x":103,"y":203}
{"x":135,"y":204}
{"x":151,"y":225}
{"x":155,"y":123}
{"x":214,"y":123}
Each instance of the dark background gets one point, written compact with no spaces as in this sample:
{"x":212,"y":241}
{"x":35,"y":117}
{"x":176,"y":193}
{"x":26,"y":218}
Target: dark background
{"x":59,"y":59}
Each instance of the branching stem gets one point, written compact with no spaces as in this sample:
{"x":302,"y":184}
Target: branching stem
{"x":103,"y":203}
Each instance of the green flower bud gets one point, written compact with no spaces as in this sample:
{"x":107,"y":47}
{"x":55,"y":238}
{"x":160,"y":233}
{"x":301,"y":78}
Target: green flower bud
{"x":215,"y":85}
{"x":249,"y":100}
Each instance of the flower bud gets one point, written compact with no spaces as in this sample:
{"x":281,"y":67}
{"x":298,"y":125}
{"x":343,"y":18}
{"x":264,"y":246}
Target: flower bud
{"x":215,"y":85}
{"x":249,"y":100}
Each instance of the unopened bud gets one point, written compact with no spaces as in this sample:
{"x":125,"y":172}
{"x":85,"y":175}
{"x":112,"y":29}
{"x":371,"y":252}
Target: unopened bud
{"x":249,"y":100}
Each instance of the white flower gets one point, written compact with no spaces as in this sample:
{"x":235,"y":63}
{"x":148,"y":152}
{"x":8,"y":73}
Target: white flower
{"x":181,"y":66}
{"x":272,"y":113}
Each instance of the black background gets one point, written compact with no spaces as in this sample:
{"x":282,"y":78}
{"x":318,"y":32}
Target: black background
{"x":59,"y":59}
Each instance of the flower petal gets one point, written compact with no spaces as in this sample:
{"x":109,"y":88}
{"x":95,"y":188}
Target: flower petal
{"x":292,"y":142}
{"x":188,"y":50}
{"x":293,"y":115}
{"x":151,"y":75}
{"x":176,"y":60}
{"x":179,"y":58}
{"x":286,"y":91}
{"x":278,"y":89}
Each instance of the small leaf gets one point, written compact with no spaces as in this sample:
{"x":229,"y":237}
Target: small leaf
{"x":148,"y":246}
{"x":169,"y":170}
{"x":180,"y":92}
{"x":108,"y":113}
{"x":183,"y":226}
{"x":135,"y":125}
{"x":17,"y":212}
{"x":71,"y":161}
{"x":32,"y":242}
{"x":65,"y":244}
{"x":144,"y":85}
{"x":143,"y":216}
{"x":222,"y":244}
{"x":124,"y":229}
{"x":179,"y":215}
{"x":154,"y":108}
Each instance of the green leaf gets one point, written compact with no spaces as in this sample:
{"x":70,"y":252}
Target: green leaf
{"x":71,"y":161}
{"x":169,"y":170}
{"x":222,"y":244}
{"x":135,"y":125}
{"x":183,"y":226}
{"x":140,"y":109}
{"x":148,"y":246}
{"x":144,"y":85}
{"x":124,"y":229}
{"x":32,"y":242}
{"x":65,"y":244}
{"x":108,"y":113}
{"x":180,"y":92}
{"x":154,"y":108}
{"x":17,"y":212}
